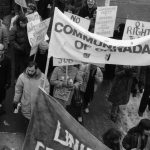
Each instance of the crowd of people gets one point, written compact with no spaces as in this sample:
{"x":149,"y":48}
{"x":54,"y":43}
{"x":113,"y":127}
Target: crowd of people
{"x":73,"y":86}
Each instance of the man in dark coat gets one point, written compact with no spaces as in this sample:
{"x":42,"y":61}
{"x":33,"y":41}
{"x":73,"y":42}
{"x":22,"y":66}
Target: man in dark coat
{"x":145,"y":101}
{"x":5,"y":75}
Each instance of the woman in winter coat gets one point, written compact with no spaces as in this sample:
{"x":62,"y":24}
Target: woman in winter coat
{"x":64,"y":84}
{"x":20,"y":44}
{"x":92,"y":77}
{"x":121,"y":88}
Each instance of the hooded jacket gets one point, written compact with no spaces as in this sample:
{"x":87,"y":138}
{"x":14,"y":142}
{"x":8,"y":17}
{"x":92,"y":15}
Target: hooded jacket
{"x":26,"y":91}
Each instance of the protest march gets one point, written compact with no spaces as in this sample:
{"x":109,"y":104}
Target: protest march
{"x":74,"y":75}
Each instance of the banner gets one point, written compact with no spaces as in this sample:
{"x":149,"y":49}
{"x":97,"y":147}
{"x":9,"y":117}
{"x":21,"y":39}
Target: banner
{"x":22,"y":3}
{"x":105,"y":20}
{"x":52,"y":128}
{"x":64,"y":62}
{"x":135,"y":29}
{"x":78,"y":44}
{"x":85,"y":23}
{"x":36,"y":33}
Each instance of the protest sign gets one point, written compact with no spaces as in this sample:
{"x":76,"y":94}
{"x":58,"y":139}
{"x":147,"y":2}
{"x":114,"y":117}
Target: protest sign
{"x":64,"y":62}
{"x":85,"y":23}
{"x":78,"y":44}
{"x":105,"y":20}
{"x":52,"y":128}
{"x":34,"y":18}
{"x":36,"y":33}
{"x":22,"y":3}
{"x":136,"y":29}
{"x":62,"y":93}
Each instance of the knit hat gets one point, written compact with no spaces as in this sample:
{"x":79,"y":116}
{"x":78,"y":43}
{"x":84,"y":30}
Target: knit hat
{"x":43,"y":45}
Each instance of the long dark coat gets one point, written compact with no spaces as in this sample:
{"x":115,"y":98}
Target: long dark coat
{"x":5,"y":76}
{"x":122,"y":83}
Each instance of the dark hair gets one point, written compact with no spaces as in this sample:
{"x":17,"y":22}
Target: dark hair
{"x":144,"y":124}
{"x":32,"y":63}
{"x":21,"y":18}
{"x":110,"y":136}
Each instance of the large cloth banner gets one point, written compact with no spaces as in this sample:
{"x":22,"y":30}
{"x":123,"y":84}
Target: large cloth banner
{"x":52,"y":128}
{"x":22,"y":3}
{"x":85,"y":23}
{"x":70,"y":41}
{"x":105,"y":20}
{"x":135,"y":29}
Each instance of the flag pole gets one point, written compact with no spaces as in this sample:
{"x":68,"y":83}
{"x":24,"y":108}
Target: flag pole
{"x":22,"y":9}
{"x":48,"y":59}
{"x":66,"y":73}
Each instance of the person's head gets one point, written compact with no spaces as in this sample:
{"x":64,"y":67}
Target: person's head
{"x":22,"y":21}
{"x":31,"y":8}
{"x":1,"y":49}
{"x":112,"y":138}
{"x":43,"y":47}
{"x":31,"y":68}
{"x":144,"y":126}
{"x":90,"y":3}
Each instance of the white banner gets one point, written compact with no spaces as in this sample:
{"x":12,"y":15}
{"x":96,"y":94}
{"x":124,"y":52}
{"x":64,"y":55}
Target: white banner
{"x":70,"y":41}
{"x":85,"y":23}
{"x":64,"y":62}
{"x":105,"y":20}
{"x":36,"y":33}
{"x":22,"y":3}
{"x":135,"y":29}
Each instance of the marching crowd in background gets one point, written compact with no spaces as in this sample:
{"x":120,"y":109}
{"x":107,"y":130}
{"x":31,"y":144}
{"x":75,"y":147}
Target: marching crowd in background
{"x":78,"y":83}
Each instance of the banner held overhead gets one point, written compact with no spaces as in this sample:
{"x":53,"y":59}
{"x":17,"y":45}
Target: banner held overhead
{"x":78,"y":44}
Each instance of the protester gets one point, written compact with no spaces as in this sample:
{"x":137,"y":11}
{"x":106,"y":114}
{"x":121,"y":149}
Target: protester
{"x":92,"y":76}
{"x":65,"y":79}
{"x":60,"y":4}
{"x":121,"y":88}
{"x":7,"y":9}
{"x":145,"y":101}
{"x":5,"y":75}
{"x":137,"y":136}
{"x":88,"y":10}
{"x":4,"y":39}
{"x":109,"y":74}
{"x":20,"y":44}
{"x":112,"y":138}
{"x":27,"y":87}
{"x":31,"y":8}
{"x":45,"y":10}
